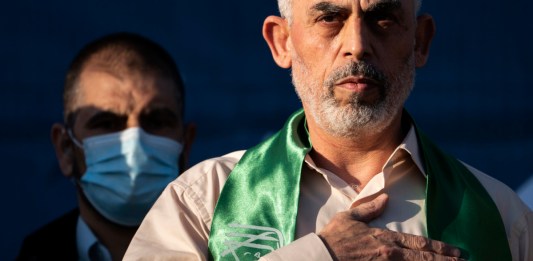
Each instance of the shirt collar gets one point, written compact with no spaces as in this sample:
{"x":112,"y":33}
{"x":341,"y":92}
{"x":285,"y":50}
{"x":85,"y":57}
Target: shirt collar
{"x":409,"y":145}
{"x":85,"y":239}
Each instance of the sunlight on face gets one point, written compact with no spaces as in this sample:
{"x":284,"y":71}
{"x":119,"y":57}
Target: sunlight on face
{"x":356,"y":116}
{"x":353,"y":62}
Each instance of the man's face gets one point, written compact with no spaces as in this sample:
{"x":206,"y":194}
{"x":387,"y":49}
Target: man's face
{"x":353,"y":61}
{"x":109,"y":102}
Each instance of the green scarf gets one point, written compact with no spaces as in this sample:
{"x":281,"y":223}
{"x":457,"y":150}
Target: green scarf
{"x":257,"y":209}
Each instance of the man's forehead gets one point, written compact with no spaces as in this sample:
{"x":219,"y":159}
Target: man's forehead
{"x":99,"y":84}
{"x":124,"y":105}
{"x":118,"y":70}
{"x":141,"y":79}
{"x":364,"y":4}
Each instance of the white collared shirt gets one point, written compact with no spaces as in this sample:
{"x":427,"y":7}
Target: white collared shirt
{"x":405,"y":208}
{"x":178,"y":225}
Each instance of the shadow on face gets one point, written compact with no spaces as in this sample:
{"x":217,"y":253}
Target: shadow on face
{"x":90,"y":121}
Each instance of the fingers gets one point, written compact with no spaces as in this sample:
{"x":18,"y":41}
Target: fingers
{"x":409,"y":254}
{"x":370,"y":210}
{"x":421,"y":244}
{"x":390,"y":244}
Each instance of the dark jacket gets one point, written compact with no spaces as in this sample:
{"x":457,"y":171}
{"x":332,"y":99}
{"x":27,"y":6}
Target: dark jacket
{"x":54,"y":241}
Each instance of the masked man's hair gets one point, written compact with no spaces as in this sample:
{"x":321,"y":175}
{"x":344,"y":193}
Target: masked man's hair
{"x":122,"y":52}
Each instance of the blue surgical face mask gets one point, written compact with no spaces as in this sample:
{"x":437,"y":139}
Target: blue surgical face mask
{"x":126,"y":172}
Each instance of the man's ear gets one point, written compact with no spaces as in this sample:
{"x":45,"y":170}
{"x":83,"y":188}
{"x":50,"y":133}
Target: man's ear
{"x":425,"y":30}
{"x":276,"y":34}
{"x":63,"y":148}
{"x":188,"y":139}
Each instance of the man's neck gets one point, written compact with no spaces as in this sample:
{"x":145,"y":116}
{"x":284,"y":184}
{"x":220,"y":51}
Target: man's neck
{"x":359,"y":158}
{"x":114,"y":237}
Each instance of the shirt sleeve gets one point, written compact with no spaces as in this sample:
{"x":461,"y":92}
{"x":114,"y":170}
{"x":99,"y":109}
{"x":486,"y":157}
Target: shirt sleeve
{"x":171,"y":230}
{"x":521,"y":240}
{"x":516,"y":216}
{"x":177,"y":226}
{"x":309,"y":247}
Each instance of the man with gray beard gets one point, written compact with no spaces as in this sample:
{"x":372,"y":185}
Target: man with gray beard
{"x":349,"y":177}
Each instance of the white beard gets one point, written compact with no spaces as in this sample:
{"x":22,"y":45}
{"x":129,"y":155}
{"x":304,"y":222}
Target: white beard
{"x":355,"y":117}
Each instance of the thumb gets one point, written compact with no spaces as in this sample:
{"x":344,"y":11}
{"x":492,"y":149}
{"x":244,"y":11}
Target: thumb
{"x":370,"y":209}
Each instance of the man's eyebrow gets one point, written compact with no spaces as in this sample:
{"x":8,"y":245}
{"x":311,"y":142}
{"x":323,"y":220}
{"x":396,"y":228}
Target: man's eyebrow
{"x":104,"y":115}
{"x":384,"y":6}
{"x":160,"y":110}
{"x":326,"y":7}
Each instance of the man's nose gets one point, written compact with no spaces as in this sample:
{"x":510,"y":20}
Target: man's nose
{"x":356,"y":39}
{"x":133,"y":121}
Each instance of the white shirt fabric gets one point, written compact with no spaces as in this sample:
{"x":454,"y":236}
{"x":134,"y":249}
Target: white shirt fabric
{"x":178,"y":225}
{"x":89,"y":249}
{"x":525,"y":192}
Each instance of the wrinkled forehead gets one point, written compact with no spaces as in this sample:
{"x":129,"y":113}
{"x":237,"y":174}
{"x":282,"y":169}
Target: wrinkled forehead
{"x":119,"y":65}
{"x":361,"y":4}
{"x":129,"y":70}
{"x":140,"y":80}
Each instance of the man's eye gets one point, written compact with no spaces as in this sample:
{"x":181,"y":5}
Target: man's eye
{"x":108,"y":125}
{"x":385,"y":23}
{"x":158,"y":119}
{"x":154,"y":124}
{"x":383,"y":20}
{"x":330,"y":18}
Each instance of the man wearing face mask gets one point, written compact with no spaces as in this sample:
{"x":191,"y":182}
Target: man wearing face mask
{"x":124,"y":139}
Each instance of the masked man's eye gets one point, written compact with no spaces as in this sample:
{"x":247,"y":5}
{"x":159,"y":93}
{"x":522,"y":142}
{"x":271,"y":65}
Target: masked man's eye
{"x":106,"y":122}
{"x":158,"y":119}
{"x":110,"y":125}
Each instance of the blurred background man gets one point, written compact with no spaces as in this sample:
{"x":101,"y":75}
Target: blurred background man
{"x":123,"y":140}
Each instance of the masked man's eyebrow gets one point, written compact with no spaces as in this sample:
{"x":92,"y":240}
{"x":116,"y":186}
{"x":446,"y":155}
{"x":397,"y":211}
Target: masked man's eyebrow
{"x":160,"y":111}
{"x":104,"y":115}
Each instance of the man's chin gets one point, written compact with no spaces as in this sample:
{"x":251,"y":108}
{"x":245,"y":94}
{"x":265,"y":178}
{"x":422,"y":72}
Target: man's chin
{"x":354,"y":121}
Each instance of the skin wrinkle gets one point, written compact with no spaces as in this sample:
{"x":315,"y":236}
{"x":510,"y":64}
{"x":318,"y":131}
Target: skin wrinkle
{"x":384,"y":6}
{"x":123,"y":77}
{"x":325,"y":7}
{"x":119,"y":59}
{"x":116,"y":82}
{"x":123,"y":73}
{"x":344,"y":114}
{"x":315,"y":52}
{"x":356,"y":117}
{"x":324,"y":10}
{"x":284,"y":7}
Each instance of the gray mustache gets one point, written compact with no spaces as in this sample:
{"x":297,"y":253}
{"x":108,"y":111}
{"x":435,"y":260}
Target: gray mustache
{"x":361,"y":68}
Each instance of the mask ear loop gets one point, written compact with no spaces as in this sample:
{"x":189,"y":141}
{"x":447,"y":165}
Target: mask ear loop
{"x":74,"y":140}
{"x":78,"y":144}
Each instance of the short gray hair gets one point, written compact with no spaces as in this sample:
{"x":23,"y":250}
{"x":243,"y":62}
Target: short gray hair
{"x":284,"y":7}
{"x":285,"y":10}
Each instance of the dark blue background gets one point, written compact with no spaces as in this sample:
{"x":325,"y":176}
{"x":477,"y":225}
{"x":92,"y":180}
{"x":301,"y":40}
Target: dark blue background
{"x":473,"y":97}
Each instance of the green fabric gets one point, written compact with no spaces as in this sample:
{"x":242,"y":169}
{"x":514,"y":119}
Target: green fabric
{"x":257,"y":209}
{"x":459,"y":210}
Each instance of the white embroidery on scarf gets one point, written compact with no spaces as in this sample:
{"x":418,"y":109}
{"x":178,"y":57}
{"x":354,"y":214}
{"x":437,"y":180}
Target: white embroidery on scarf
{"x":261,"y":239}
